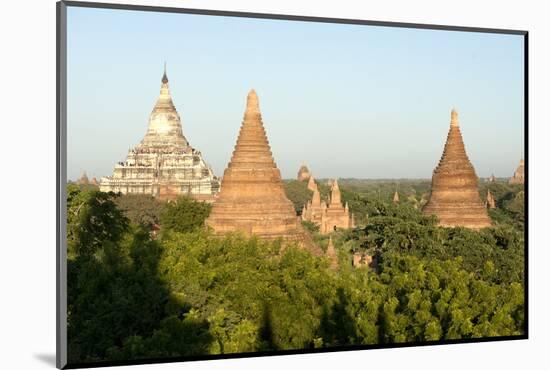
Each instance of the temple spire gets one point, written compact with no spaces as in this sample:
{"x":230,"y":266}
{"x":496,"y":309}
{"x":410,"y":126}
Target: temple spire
{"x":454,"y":117}
{"x":252,"y":103}
{"x":311,"y":184}
{"x":396,"y":197}
{"x":164,"y":77}
{"x":335,"y":198}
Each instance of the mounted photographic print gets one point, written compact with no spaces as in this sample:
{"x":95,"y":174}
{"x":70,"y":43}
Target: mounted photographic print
{"x":235,"y":184}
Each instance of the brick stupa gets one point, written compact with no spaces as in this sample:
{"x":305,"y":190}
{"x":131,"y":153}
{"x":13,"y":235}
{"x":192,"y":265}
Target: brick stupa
{"x":454,"y":197}
{"x":252,"y":197}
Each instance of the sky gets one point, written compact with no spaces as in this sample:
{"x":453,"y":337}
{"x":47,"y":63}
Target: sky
{"x":348,"y":100}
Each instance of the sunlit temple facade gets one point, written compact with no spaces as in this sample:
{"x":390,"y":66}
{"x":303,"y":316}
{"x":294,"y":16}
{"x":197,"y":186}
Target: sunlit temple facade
{"x":329,"y":216}
{"x":163,"y":164}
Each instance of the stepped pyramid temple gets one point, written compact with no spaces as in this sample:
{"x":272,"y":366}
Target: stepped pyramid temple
{"x":518,"y":177}
{"x":252,"y":197}
{"x":163,"y":164}
{"x":454,"y":197}
{"x":331,"y":216}
{"x":303,"y":173}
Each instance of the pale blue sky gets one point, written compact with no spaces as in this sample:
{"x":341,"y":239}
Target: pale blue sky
{"x":349,"y":100}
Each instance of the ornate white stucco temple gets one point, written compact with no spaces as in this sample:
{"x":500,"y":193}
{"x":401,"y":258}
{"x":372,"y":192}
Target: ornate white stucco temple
{"x":163,"y":164}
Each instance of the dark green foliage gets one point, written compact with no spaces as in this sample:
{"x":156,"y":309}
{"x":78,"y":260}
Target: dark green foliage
{"x":140,"y":209}
{"x":298,"y":193}
{"x":510,"y":203}
{"x":184,"y":214}
{"x":115,"y":294}
{"x":92,"y":219}
{"x":189,"y":293}
{"x":310,"y":226}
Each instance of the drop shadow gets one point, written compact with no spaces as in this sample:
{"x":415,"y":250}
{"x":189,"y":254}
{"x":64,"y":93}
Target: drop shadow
{"x":47,"y":358}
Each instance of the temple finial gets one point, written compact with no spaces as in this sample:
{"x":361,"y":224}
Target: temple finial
{"x":454,"y":117}
{"x":252,"y":103}
{"x":164,"y":77}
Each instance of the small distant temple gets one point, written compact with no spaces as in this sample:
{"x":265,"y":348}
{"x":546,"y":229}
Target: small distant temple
{"x":83,"y":179}
{"x":454,"y":197}
{"x":396,"y":197}
{"x":303,"y":173}
{"x":492,"y":179}
{"x":328,"y":217}
{"x":331,"y":254}
{"x":490,"y":203}
{"x":518,"y":177}
{"x":163,"y":164}
{"x":252,"y":197}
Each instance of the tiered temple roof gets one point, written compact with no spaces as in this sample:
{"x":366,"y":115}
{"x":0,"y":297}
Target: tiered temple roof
{"x":252,"y":197}
{"x":519,"y":175}
{"x":163,"y":164}
{"x":454,"y":197}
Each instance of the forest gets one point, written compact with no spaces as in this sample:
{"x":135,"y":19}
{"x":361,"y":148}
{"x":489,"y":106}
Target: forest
{"x":147,"y":280}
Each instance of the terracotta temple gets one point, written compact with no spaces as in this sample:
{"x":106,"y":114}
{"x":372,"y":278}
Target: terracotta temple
{"x":454,"y":197}
{"x":163,"y":164}
{"x":328,"y":217}
{"x":519,"y":175}
{"x":252,"y":197}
